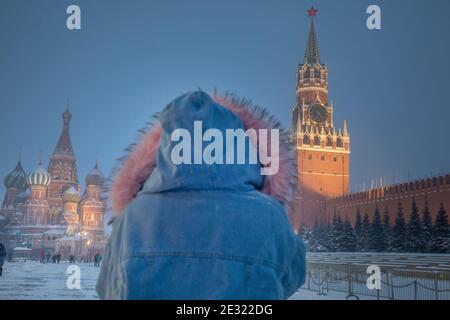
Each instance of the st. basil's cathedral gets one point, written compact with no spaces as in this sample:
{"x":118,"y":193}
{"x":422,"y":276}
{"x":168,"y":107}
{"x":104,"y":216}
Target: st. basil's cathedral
{"x":45,"y":212}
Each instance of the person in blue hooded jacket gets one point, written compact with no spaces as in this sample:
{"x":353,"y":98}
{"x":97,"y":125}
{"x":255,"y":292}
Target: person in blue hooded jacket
{"x":202,"y":231}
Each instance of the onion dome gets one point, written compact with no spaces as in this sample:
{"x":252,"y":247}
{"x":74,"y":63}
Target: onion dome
{"x":16,"y":178}
{"x":95,"y":177}
{"x":71,"y":195}
{"x":39,"y":177}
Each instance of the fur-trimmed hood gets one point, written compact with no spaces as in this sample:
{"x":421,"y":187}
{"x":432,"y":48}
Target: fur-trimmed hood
{"x":148,"y":167}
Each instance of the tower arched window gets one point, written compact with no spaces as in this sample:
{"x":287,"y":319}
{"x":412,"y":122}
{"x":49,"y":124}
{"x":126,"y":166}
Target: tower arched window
{"x":329,"y":142}
{"x":306,"y":139}
{"x":339,"y":143}
{"x":306,"y":73}
{"x":316,"y":140}
{"x":317,"y":73}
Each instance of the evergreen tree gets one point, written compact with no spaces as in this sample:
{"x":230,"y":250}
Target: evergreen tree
{"x":313,"y":239}
{"x":414,"y":231}
{"x":348,"y":237}
{"x":377,"y":238}
{"x":305,"y":233}
{"x":336,"y":234}
{"x":399,"y":239}
{"x":340,"y":233}
{"x":333,"y":234}
{"x":318,"y":241}
{"x":365,"y":240}
{"x":358,"y":231}
{"x":323,"y":238}
{"x":387,"y":230}
{"x":440,"y":242}
{"x":427,"y":228}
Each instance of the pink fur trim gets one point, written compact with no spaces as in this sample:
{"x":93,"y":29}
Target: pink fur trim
{"x":279,"y":185}
{"x":135,"y":170}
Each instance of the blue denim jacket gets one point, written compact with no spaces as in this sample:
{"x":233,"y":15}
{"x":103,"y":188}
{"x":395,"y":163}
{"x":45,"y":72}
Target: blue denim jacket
{"x":201,"y":231}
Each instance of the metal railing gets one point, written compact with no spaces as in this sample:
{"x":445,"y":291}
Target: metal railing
{"x":395,"y":284}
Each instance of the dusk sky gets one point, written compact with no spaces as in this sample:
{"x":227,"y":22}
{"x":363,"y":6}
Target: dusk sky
{"x":133,"y":57}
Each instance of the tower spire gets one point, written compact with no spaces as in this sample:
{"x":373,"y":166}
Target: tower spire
{"x":312,"y":49}
{"x":64,"y":145}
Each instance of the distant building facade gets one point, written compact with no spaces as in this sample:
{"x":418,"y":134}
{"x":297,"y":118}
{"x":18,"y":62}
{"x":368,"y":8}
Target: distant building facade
{"x":45,"y":211}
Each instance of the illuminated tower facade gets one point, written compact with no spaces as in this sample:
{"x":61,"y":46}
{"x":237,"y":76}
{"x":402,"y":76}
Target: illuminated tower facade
{"x":71,"y":197}
{"x":37,"y":207}
{"x":62,"y":169}
{"x":92,"y":205}
{"x":322,"y":151}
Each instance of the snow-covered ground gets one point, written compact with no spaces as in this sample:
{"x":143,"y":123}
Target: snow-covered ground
{"x":34,"y":281}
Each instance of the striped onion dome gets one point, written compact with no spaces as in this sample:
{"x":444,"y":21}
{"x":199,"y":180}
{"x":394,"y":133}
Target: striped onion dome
{"x":39,"y":177}
{"x":16,"y":178}
{"x":95,"y":177}
{"x":71,"y":195}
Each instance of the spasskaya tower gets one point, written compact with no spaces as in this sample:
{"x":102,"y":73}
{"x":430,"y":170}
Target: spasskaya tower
{"x":322,"y":150}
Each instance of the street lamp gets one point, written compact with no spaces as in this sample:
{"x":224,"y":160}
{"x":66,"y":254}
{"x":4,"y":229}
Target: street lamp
{"x":82,"y":234}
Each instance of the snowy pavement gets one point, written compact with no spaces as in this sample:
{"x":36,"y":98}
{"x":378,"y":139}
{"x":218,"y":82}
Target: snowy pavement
{"x":36,"y":281}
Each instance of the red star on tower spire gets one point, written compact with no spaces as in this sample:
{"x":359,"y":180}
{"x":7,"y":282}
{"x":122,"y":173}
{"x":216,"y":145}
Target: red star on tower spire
{"x":312,"y":12}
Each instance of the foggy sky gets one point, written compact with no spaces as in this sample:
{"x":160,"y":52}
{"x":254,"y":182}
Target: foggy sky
{"x":133,"y":57}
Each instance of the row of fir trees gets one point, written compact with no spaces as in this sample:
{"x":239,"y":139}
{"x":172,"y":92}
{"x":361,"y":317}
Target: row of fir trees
{"x":378,"y":234}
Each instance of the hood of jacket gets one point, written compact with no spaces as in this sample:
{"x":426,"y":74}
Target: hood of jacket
{"x":148,"y":166}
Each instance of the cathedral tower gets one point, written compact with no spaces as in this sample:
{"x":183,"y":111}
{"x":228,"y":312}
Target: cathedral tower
{"x":62,"y":169}
{"x":323,"y":152}
{"x":71,"y":197}
{"x":15,"y":183}
{"x":92,"y":206}
{"x":37,"y":207}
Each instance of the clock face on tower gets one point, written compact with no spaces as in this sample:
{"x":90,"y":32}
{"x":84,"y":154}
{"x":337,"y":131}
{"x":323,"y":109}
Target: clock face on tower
{"x":318,"y":113}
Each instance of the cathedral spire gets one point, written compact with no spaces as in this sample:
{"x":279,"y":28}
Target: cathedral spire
{"x":64,"y":145}
{"x":312,"y":49}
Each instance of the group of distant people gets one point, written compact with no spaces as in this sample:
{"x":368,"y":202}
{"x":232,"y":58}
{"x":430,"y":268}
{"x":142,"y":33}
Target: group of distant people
{"x":55,"y":258}
{"x":97,"y":259}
